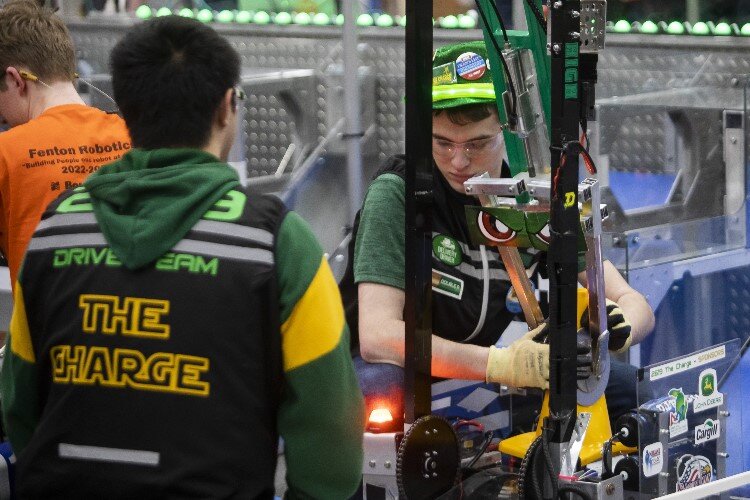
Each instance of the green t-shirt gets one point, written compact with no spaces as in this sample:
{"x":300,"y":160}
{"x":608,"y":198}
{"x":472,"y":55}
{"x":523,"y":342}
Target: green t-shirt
{"x":379,"y":255}
{"x":379,"y":247}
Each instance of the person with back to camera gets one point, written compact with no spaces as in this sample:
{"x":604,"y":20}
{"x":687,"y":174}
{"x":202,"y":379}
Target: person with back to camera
{"x":170,"y":325}
{"x":55,"y":140}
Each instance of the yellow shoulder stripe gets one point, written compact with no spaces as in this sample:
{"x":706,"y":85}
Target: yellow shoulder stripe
{"x":20,"y":338}
{"x":316,"y":323}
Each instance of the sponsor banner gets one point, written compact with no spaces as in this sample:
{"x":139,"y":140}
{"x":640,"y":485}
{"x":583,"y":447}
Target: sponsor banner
{"x":687,"y":363}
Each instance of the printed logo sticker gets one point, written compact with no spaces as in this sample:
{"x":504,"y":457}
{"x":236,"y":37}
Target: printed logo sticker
{"x":494,"y":229}
{"x":678,"y":424}
{"x":445,"y":74}
{"x":447,"y":284}
{"x":653,"y":459}
{"x":708,"y":396}
{"x":707,"y":431}
{"x":470,"y":66}
{"x":447,"y":250}
{"x":693,"y":471}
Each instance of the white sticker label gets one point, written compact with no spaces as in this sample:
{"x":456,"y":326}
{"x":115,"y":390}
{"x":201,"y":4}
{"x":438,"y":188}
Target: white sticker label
{"x":687,"y":363}
{"x":678,"y":424}
{"x":653,"y":459}
{"x":707,"y":431}
{"x":693,"y":471}
{"x":707,"y":396}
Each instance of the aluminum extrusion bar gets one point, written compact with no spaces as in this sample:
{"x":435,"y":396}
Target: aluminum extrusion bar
{"x":521,"y":284}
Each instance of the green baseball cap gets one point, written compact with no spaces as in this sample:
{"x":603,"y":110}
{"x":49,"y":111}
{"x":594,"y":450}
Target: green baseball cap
{"x":461,"y":75}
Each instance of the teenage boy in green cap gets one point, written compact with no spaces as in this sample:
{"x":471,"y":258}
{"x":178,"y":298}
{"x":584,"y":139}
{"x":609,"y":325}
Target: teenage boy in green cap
{"x":467,"y":140}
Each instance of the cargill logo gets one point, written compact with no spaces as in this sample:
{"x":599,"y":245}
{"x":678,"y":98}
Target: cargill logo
{"x":708,"y":431}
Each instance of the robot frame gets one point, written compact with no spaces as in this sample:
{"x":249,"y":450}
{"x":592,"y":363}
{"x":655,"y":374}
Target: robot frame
{"x":546,"y":77}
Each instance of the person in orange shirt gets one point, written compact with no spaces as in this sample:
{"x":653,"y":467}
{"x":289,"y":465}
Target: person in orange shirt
{"x":55,"y":140}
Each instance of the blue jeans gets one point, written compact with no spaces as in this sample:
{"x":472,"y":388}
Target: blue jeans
{"x":382,"y":384}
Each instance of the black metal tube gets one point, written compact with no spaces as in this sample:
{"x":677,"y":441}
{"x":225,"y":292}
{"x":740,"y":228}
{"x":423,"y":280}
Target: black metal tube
{"x":417,"y":308}
{"x":564,"y":218}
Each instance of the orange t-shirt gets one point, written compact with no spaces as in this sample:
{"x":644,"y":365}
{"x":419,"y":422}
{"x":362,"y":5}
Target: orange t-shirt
{"x":40,"y":159}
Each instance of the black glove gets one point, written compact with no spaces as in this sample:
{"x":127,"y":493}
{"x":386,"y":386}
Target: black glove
{"x":618,"y":326}
{"x":583,"y":344}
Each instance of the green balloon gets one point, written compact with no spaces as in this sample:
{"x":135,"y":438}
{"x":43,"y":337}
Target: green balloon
{"x":722,"y":29}
{"x":402,"y":21}
{"x":621,"y":26}
{"x":143,"y":12}
{"x":466,"y":22}
{"x":225,"y":16}
{"x":321,"y":19}
{"x":205,"y":16}
{"x":450,"y":22}
{"x":243,"y":17}
{"x":649,"y":27}
{"x":262,"y":17}
{"x":283,"y":18}
{"x":745,"y":30}
{"x":676,"y":28}
{"x":339,"y":20}
{"x":700,"y":28}
{"x":384,"y":21}
{"x":365,"y":20}
{"x":302,"y":18}
{"x":164,"y":11}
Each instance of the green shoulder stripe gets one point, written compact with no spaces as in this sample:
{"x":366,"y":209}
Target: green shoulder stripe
{"x":314,"y":415}
{"x":298,"y":256}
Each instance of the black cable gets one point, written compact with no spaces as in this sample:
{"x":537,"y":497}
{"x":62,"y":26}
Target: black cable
{"x":549,"y":466}
{"x":584,"y":126}
{"x":538,"y":15}
{"x":482,"y":449}
{"x":500,"y":20}
{"x":607,"y":454}
{"x":571,"y":488}
{"x":512,"y":115}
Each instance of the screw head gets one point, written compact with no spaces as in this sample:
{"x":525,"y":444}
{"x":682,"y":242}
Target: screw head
{"x":372,"y":463}
{"x":556,"y":48}
{"x":610,"y":489}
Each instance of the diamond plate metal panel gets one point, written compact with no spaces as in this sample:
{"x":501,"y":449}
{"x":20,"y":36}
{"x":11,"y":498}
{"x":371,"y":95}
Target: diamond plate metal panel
{"x":631,"y":64}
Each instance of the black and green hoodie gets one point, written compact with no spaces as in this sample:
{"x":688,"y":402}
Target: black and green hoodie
{"x":168,"y":327}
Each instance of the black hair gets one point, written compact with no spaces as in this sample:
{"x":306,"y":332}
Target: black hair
{"x":467,"y":114}
{"x":169,"y":76}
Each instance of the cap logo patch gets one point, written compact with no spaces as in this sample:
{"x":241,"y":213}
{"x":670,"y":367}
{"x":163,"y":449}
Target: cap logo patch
{"x":471,"y":66}
{"x":444,"y":74}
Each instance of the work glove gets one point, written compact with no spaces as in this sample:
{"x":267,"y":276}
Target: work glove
{"x":524,"y":363}
{"x":619,"y":327}
{"x":583,"y":350}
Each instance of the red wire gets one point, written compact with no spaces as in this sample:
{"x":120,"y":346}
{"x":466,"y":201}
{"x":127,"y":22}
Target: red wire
{"x":462,"y":423}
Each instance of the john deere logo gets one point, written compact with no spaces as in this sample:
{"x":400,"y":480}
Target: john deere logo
{"x":708,"y":393}
{"x":447,"y":250}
